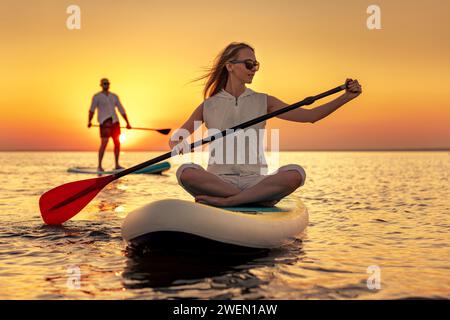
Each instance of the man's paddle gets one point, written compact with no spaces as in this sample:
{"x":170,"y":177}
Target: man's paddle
{"x":62,"y":203}
{"x":162,"y":131}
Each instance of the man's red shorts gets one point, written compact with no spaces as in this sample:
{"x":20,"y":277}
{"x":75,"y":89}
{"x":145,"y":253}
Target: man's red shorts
{"x":110,"y":129}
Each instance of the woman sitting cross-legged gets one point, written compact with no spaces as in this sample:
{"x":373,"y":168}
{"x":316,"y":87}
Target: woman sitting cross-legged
{"x":228,"y":102}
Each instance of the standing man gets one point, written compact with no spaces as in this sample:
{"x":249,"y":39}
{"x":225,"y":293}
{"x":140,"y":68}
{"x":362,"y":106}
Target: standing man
{"x":106,"y":102}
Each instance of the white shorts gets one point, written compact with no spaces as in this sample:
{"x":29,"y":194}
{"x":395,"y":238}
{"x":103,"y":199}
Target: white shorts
{"x":241,"y":182}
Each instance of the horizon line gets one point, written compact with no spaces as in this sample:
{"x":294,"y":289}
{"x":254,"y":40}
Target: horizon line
{"x":286,"y":150}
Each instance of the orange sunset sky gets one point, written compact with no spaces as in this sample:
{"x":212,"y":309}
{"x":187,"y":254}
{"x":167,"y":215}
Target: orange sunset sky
{"x":151,"y":50}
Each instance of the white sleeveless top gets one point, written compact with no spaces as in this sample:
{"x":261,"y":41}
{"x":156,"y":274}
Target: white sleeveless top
{"x":223,"y":111}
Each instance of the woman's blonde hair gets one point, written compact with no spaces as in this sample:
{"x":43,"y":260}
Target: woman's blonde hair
{"x":217,"y":75}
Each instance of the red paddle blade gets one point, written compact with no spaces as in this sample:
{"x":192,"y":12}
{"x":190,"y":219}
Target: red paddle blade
{"x":62,"y":203}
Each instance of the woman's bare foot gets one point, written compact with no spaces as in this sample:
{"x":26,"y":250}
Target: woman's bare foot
{"x":119,"y":168}
{"x":213,"y":201}
{"x":267,"y":203}
{"x":100,"y":169}
{"x":227,"y":202}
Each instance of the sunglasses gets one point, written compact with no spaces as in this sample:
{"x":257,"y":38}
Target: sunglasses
{"x":105,"y":83}
{"x":249,"y":63}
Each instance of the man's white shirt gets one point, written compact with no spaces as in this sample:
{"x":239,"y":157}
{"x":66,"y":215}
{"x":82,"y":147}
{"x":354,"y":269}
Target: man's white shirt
{"x":106,"y":106}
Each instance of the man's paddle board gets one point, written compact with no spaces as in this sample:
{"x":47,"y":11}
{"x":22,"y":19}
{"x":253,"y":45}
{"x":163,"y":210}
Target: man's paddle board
{"x":153,"y":169}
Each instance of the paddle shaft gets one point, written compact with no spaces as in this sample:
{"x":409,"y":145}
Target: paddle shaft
{"x":304,"y":102}
{"x":136,"y":128}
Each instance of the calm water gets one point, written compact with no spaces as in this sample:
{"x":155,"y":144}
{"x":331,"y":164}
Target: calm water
{"x":389,"y":210}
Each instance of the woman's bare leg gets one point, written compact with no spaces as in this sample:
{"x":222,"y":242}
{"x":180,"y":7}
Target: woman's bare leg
{"x":202,"y":182}
{"x":272,"y":188}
